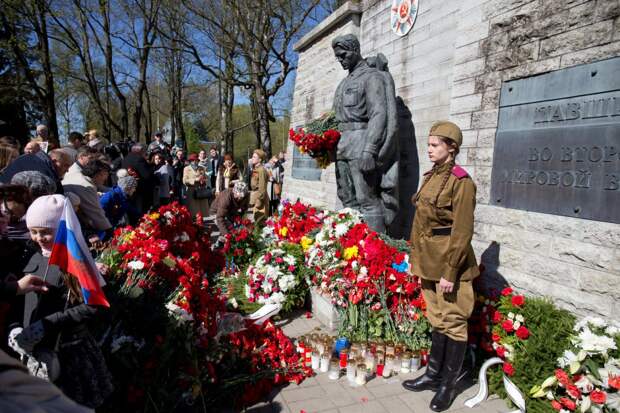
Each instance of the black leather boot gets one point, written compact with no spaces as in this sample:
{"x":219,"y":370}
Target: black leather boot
{"x":431,"y":378}
{"x":455,"y":353}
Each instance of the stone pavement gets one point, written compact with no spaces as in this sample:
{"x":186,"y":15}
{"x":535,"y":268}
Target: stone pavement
{"x":319,"y":394}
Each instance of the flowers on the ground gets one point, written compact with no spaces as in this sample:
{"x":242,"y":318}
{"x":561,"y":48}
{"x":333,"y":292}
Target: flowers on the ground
{"x":510,"y":328}
{"x":240,"y":245}
{"x":296,"y":221}
{"x":271,"y":277}
{"x":586,"y":379}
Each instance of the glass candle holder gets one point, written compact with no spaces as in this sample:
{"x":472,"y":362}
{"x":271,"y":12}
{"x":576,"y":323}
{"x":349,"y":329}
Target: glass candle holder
{"x":351,"y":372}
{"x":316,"y":360}
{"x":405,"y":363}
{"x":334,"y":369}
{"x":360,"y":378}
{"x":344,"y":358}
{"x":389,"y":366}
{"x":415,"y":361}
{"x":324,"y":365}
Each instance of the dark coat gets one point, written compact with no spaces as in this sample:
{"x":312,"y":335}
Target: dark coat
{"x":32,"y":162}
{"x":226,"y":208}
{"x":50,"y":307}
{"x":146,"y":183}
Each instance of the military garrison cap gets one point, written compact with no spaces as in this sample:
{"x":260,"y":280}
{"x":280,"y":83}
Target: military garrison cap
{"x":447,"y":130}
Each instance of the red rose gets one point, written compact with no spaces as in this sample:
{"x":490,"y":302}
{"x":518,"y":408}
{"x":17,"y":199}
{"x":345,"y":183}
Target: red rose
{"x":496,"y":337}
{"x":508,"y":369}
{"x":523,"y":333}
{"x":568,"y":403}
{"x":556,"y":405}
{"x":508,"y":326}
{"x":518,"y":300}
{"x":506,"y":291}
{"x":598,"y":397}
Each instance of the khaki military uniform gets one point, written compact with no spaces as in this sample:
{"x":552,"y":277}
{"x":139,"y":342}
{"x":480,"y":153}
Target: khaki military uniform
{"x":441,"y":247}
{"x":259,"y":200}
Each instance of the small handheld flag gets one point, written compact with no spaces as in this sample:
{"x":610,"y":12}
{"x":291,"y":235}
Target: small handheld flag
{"x":72,"y":256}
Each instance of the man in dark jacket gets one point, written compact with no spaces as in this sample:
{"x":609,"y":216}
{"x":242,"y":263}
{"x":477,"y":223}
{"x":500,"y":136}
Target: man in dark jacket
{"x":229,"y":204}
{"x":52,"y":168}
{"x":136,"y":161}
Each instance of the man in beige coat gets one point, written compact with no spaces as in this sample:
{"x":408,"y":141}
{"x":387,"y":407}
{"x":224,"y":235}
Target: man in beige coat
{"x":90,"y":209}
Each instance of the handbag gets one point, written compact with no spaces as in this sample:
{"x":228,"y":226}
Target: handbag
{"x":203,"y":192}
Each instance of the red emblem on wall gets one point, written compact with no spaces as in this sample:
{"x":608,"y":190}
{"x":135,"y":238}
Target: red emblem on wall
{"x":403,"y":16}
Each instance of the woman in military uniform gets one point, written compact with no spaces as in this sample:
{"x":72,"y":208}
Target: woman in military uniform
{"x":443,"y":257}
{"x":259,"y":200}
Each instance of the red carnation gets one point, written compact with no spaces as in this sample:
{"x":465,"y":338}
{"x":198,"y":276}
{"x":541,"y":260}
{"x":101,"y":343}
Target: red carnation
{"x":598,"y":397}
{"x":573,"y":391}
{"x":556,"y":405}
{"x":506,"y":291}
{"x":508,"y":326}
{"x":496,"y":337}
{"x":523,"y":333}
{"x":508,"y":369}
{"x":501,"y":351}
{"x":568,"y":403}
{"x":497,"y":317}
{"x":562,"y":377}
{"x":518,"y":300}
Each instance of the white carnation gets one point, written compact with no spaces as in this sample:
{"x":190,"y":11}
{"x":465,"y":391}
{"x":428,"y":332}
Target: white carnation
{"x":136,"y":265}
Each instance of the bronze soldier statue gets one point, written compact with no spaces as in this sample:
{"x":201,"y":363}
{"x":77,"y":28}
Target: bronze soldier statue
{"x":367,"y":153}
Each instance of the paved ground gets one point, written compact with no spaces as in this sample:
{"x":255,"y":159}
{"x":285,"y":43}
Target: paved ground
{"x":319,"y":394}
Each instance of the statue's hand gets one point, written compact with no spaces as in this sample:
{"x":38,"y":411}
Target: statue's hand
{"x":367,"y":162}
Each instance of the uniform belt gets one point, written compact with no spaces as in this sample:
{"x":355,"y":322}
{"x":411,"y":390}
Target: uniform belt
{"x":348,"y":126}
{"x":441,"y":231}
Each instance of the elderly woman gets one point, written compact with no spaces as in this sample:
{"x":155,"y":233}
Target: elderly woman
{"x":226,"y":173}
{"x":197,"y":189}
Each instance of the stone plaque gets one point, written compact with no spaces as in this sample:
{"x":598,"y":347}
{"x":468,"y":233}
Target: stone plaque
{"x":304,"y":166}
{"x":557,"y":148}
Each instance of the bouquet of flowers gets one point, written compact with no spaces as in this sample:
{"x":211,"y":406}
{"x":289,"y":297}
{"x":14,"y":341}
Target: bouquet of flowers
{"x":319,"y":139}
{"x":588,"y":375}
{"x":296,"y":221}
{"x":240,"y":245}
{"x":510,"y":329}
{"x":273,"y":280}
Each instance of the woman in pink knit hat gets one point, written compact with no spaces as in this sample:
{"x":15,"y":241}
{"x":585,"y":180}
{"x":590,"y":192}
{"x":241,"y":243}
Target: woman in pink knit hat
{"x":54,"y":336}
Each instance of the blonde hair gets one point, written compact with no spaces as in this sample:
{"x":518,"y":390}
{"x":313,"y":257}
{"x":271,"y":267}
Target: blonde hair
{"x":92,"y":134}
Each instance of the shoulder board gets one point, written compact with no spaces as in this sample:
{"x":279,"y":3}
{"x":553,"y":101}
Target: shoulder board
{"x":459,"y":172}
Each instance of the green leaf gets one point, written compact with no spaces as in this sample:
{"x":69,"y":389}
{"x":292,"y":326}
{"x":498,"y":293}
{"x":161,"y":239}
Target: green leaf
{"x":591,"y":365}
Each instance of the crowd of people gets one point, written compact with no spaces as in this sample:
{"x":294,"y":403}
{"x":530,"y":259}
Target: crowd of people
{"x":43,"y":318}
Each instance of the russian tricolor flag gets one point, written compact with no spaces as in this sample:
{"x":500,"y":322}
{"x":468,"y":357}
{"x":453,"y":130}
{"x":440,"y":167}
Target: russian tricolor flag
{"x":72,"y":256}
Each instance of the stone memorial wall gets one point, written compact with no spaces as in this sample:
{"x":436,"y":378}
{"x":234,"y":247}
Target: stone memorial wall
{"x":459,"y":62}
